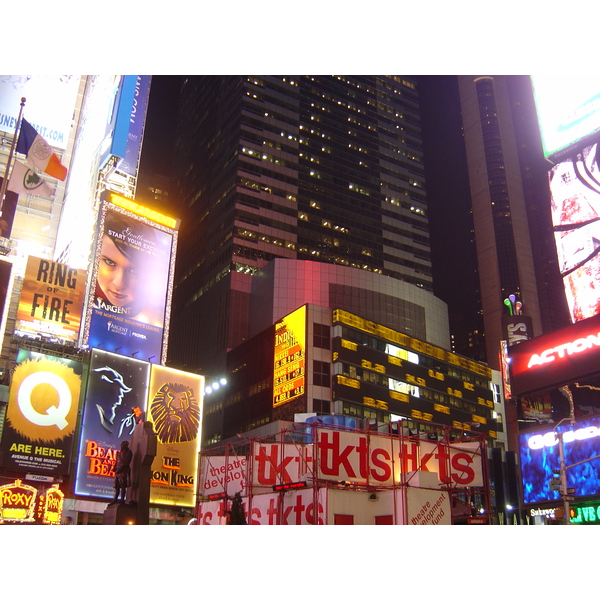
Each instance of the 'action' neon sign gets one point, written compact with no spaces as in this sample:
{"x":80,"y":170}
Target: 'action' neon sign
{"x":551,"y":354}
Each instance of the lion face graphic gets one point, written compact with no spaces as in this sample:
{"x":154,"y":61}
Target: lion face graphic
{"x":175,"y":412}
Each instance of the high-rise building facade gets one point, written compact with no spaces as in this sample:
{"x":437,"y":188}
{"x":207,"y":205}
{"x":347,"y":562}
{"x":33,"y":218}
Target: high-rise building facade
{"x":512,"y":231}
{"x":322,"y":168}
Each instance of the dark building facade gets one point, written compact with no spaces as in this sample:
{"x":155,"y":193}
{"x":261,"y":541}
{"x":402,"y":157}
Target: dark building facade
{"x":325,"y":169}
{"x":511,"y":206}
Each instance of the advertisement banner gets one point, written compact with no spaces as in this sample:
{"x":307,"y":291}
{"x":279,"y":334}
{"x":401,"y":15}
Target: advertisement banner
{"x":114,"y":401}
{"x":49,"y":108}
{"x":280,"y":464}
{"x":51,"y":299}
{"x":41,"y":414}
{"x":379,"y":460}
{"x":540,"y":460}
{"x":428,"y":507}
{"x":292,"y":508}
{"x":137,"y":119}
{"x":289,"y":370}
{"x":175,"y":410}
{"x":223,"y":475}
{"x":551,"y":360}
{"x":575,"y":205}
{"x":568,"y":109}
{"x":131,"y":285}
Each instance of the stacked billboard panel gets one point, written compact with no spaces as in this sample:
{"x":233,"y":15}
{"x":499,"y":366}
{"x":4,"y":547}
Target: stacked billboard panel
{"x":122,"y":392}
{"x":42,"y":414}
{"x":130,"y":288}
{"x":568,"y":111}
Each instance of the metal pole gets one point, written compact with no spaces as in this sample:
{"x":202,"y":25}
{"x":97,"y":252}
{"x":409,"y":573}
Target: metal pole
{"x":10,"y":156}
{"x":563,"y":479}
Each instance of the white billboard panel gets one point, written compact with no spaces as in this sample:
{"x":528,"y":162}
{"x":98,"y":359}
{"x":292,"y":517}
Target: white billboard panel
{"x":49,"y":106}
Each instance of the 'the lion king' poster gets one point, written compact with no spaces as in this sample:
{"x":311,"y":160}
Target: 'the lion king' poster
{"x":175,"y":411}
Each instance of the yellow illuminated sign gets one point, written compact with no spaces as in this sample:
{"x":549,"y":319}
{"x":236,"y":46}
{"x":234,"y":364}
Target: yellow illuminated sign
{"x":289,"y":358}
{"x":341,"y":316}
{"x":143,"y":211}
{"x":17,"y":501}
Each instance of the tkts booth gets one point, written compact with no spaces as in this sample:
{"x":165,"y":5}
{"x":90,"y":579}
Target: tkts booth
{"x":560,"y":372}
{"x":315,"y":474}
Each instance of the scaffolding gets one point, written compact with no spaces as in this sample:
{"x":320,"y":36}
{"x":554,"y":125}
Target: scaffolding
{"x":318,"y":473}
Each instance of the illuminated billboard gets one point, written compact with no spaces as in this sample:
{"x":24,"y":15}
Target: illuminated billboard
{"x":290,"y":357}
{"x":51,"y":300}
{"x":540,"y":458}
{"x":404,"y":383}
{"x":132,"y":280}
{"x":575,"y":196}
{"x":175,"y":411}
{"x":568,"y":109}
{"x":49,"y":107}
{"x":114,"y":401}
{"x":42,"y":414}
{"x":556,"y":358}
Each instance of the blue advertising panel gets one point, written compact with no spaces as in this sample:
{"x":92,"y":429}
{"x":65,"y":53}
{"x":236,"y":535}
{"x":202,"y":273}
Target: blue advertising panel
{"x":42,"y":414}
{"x":115,"y":400}
{"x":540,"y":457}
{"x":130,"y":285}
{"x":135,"y":130}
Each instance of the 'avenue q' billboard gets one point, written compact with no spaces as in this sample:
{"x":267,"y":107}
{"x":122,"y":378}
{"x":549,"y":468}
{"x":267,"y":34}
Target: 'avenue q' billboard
{"x":42,"y":414}
{"x":132,"y":279}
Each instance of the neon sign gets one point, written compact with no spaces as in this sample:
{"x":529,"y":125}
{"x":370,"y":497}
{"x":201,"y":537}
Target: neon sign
{"x":550,"y":439}
{"x":568,"y":349}
{"x":17,"y":501}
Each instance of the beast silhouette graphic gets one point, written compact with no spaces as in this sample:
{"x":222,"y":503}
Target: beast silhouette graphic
{"x":175,"y":412}
{"x":108,"y":413}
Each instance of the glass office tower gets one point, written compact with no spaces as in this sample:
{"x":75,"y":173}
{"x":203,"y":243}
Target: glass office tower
{"x":323,"y":168}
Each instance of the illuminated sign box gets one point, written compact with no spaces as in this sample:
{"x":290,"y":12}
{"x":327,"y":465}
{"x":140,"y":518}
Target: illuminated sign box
{"x":115,"y":399}
{"x":132,"y":281}
{"x":51,"y":299}
{"x":540,"y":458}
{"x":289,"y":359}
{"x":42,"y":414}
{"x":568,"y":109}
{"x":575,"y":193}
{"x":557,"y":358}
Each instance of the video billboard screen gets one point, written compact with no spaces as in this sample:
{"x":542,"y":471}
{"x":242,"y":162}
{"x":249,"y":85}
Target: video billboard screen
{"x":568,"y":109}
{"x":130,"y":288}
{"x":175,"y":411}
{"x":42,"y":414}
{"x":51,"y":300}
{"x":540,"y":458}
{"x":115,"y":399}
{"x":575,"y":205}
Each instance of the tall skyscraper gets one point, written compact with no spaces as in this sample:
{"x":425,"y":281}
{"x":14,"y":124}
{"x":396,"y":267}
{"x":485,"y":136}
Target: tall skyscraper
{"x":508,"y":192}
{"x":322,"y":168}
